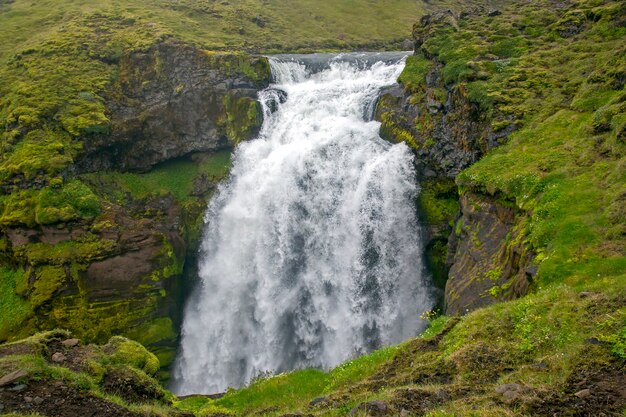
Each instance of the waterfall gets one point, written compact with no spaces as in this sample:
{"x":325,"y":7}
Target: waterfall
{"x":311,"y":250}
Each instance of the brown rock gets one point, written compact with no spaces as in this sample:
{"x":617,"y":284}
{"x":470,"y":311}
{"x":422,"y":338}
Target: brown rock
{"x":507,"y":388}
{"x":13,"y":377}
{"x":58,"y":357}
{"x":486,"y":267}
{"x":70,"y":342}
{"x":583,"y":393}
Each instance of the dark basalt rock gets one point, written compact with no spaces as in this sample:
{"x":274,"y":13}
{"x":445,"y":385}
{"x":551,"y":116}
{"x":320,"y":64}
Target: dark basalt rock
{"x":169,"y":102}
{"x":489,"y":263}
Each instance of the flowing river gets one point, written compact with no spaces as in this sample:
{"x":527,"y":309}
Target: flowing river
{"x":311,"y":251}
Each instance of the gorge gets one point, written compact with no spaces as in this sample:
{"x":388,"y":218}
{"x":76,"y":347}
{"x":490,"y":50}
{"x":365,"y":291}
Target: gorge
{"x":311,"y":253}
{"x":432,"y":233}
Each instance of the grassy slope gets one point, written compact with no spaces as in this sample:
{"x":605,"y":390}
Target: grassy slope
{"x":565,"y":167}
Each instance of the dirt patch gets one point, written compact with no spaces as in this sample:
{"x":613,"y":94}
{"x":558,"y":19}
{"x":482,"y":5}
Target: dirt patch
{"x":75,"y":356}
{"x":418,"y":401}
{"x":403,"y":369}
{"x":596,"y":389}
{"x":56,"y":399}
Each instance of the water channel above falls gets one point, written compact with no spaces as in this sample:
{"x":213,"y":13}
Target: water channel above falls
{"x":311,"y":252}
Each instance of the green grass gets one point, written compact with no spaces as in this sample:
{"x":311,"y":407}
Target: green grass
{"x":174,"y":177}
{"x":14,"y":309}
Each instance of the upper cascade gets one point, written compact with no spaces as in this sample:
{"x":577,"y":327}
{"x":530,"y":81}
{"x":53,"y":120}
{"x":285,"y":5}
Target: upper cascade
{"x":311,"y":252}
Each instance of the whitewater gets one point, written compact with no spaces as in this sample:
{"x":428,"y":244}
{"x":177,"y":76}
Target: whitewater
{"x":311,"y":251}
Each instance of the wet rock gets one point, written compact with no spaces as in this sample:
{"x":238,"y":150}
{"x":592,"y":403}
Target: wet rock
{"x":37,"y":400}
{"x":19,"y":387}
{"x":58,"y":357}
{"x":276,"y":97}
{"x":70,"y":342}
{"x":14,"y":376}
{"x":584,"y":393}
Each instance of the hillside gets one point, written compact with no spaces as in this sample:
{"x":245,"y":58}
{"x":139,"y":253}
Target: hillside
{"x":118,"y":122}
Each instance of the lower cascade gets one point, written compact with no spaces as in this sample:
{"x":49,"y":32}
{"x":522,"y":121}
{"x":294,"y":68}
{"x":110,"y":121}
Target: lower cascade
{"x":311,"y":253}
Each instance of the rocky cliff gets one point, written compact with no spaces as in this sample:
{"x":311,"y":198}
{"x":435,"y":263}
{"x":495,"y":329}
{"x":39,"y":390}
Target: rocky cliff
{"x":479,"y":76}
{"x":101,"y":244}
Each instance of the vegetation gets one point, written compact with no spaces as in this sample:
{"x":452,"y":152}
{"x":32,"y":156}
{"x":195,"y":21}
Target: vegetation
{"x":555,"y":75}
{"x":112,"y":378}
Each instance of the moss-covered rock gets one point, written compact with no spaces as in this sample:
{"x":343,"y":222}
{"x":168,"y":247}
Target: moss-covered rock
{"x":242,"y":117}
{"x":72,"y":378}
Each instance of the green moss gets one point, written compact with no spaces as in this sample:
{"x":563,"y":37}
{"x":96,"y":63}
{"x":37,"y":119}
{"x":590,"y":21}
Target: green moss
{"x":124,"y":351}
{"x":242,"y":117}
{"x":436,"y":254}
{"x":438,"y":201}
{"x":48,"y":279}
{"x":97,"y":321}
{"x":413,"y":76}
{"x":40,"y":151}
{"x":153,"y":331}
{"x":88,"y":249}
{"x":14,"y":309}
{"x":174,"y":177}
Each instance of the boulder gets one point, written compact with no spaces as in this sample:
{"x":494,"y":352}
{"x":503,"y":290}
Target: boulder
{"x":12,"y":377}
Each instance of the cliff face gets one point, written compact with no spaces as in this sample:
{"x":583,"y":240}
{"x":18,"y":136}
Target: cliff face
{"x":174,"y":99}
{"x":448,"y":132}
{"x":478,"y":78}
{"x":121,"y":265}
{"x":487,"y":255}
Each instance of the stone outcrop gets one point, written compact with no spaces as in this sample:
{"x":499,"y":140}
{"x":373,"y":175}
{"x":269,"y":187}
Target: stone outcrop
{"x":174,"y":99}
{"x":448,"y":132}
{"x":487,"y":255}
